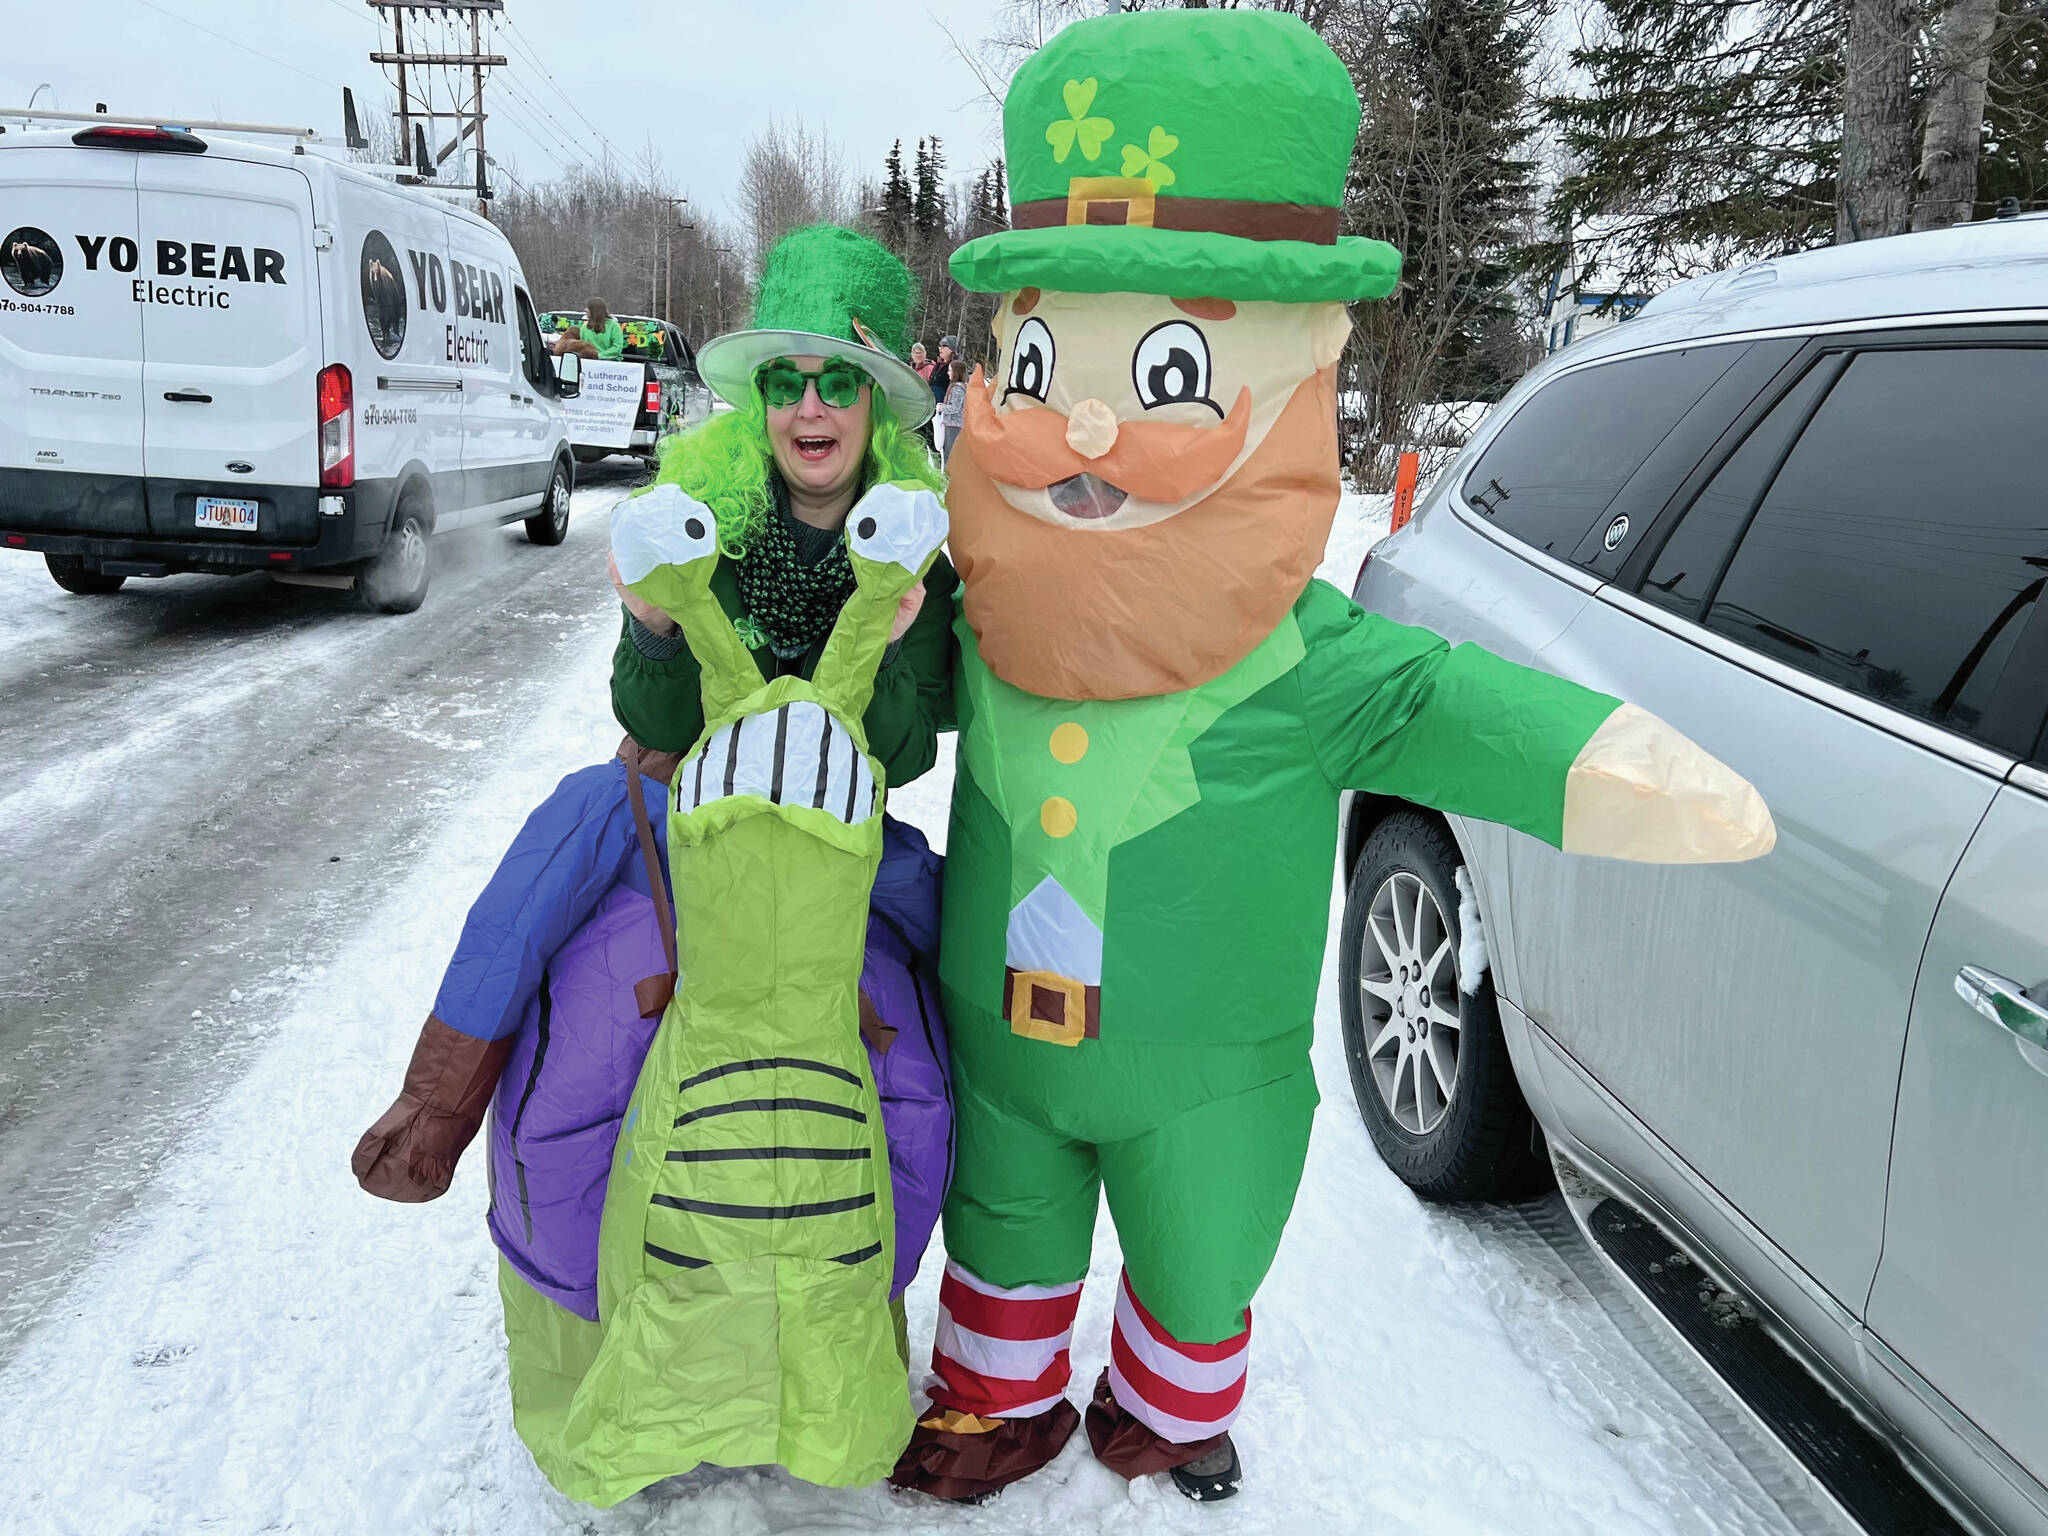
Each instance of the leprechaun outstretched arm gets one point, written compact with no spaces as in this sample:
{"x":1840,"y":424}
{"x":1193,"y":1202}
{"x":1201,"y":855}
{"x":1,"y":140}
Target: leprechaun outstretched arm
{"x":1395,"y":710}
{"x":666,"y":546}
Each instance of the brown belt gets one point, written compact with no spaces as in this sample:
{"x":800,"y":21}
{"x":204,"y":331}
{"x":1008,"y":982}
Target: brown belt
{"x":1045,"y":1006}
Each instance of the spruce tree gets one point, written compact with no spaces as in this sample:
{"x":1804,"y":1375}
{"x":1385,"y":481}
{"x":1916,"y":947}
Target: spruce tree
{"x":895,"y":216}
{"x":928,"y":200}
{"x":1442,"y":172}
{"x":1702,"y":129}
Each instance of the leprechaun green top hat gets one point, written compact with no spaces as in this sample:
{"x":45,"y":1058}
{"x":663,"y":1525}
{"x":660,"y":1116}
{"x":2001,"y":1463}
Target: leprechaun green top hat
{"x":826,"y":292}
{"x":1191,"y":153}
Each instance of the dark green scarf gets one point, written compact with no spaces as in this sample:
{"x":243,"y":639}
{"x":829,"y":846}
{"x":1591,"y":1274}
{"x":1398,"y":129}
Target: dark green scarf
{"x":791,"y":600}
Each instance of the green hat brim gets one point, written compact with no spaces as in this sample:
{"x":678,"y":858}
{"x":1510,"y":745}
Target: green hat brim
{"x":1177,"y":263}
{"x":727,"y":364}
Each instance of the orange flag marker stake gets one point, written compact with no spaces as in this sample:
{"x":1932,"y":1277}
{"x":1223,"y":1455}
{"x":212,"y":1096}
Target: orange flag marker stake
{"x":1405,"y":475}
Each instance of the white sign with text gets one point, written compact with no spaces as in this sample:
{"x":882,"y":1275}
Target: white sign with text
{"x":602,"y":414}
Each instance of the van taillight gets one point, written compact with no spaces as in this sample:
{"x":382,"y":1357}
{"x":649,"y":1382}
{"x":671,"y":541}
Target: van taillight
{"x":337,"y":427}
{"x":653,"y":405}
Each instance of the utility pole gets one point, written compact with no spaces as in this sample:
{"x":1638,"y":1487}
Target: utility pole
{"x":441,"y":17}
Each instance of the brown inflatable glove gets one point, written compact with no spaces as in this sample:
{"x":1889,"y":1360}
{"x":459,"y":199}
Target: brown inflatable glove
{"x":411,"y":1152}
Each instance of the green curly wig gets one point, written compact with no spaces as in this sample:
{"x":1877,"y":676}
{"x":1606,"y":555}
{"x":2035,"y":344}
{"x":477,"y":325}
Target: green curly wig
{"x":725,"y":464}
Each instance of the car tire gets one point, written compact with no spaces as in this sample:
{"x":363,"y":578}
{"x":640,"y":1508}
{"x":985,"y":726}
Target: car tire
{"x":72,"y":574}
{"x":394,"y":580}
{"x":550,"y":525}
{"x":1435,"y":1087}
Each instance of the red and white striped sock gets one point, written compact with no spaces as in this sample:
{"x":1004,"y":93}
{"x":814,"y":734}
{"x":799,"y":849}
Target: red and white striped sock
{"x":1001,"y":1354}
{"x":1181,"y":1392}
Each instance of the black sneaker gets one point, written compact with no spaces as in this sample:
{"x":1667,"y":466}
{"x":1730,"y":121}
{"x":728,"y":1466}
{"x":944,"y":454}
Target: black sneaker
{"x":1208,"y":1479}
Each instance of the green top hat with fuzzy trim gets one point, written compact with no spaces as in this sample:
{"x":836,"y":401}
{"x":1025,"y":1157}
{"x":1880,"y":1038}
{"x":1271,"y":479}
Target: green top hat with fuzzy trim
{"x":1191,"y":153}
{"x":826,"y":292}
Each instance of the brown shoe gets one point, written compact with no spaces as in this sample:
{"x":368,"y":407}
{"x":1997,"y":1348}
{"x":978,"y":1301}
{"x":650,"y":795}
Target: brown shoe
{"x":1130,"y":1448}
{"x":967,"y":1460}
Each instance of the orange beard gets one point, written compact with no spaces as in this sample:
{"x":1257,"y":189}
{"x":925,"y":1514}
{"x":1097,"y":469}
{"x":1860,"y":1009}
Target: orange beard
{"x":1080,"y":613}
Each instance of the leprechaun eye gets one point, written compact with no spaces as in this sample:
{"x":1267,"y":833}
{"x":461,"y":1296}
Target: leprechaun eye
{"x":1030,"y":361}
{"x":1171,"y":366}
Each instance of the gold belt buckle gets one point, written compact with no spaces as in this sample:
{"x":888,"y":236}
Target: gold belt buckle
{"x":1032,"y":1019}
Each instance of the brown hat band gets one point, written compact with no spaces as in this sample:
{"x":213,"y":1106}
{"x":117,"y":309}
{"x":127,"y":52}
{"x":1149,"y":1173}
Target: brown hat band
{"x":1131,"y":200}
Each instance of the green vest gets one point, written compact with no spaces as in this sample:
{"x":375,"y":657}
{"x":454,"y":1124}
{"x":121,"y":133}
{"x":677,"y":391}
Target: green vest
{"x":1158,"y":870}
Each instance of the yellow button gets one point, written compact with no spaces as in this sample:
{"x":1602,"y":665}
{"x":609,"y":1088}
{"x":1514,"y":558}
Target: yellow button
{"x":1070,"y":742}
{"x":1058,"y":816}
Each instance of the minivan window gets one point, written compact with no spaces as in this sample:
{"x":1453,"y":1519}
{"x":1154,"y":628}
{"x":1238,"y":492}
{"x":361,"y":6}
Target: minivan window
{"x":1686,"y":567}
{"x":1556,"y":465}
{"x":1904,"y":545}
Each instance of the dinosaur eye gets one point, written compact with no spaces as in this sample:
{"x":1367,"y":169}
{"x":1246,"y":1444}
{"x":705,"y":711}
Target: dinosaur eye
{"x":1171,"y":366}
{"x":1031,"y":359}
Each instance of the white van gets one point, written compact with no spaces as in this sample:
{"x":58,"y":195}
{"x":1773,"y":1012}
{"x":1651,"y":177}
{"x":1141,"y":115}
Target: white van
{"x":221,"y":356}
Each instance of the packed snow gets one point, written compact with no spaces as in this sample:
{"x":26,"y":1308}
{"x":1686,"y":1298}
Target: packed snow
{"x":263,"y":1347}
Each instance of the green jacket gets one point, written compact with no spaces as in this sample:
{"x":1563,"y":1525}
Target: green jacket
{"x":661,"y":705}
{"x":610,"y":342}
{"x":1159,"y":869}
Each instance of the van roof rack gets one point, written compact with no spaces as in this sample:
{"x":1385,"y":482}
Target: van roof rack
{"x":123,"y":119}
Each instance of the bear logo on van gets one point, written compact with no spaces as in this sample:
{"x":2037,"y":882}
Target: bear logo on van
{"x":31,"y":261}
{"x":383,"y":295}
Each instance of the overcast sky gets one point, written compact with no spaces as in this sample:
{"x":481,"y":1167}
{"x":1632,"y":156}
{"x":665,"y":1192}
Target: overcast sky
{"x":698,"y":77}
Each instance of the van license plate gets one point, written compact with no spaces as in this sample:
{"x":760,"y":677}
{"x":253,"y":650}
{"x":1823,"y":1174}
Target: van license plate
{"x":225,"y":512}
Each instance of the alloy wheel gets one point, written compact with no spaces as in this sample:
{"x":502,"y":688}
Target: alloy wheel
{"x":1408,"y":978}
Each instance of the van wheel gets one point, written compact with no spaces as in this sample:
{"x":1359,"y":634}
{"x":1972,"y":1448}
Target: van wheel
{"x":72,"y":574}
{"x":1429,"y":1065}
{"x":394,"y":580}
{"x":550,"y":525}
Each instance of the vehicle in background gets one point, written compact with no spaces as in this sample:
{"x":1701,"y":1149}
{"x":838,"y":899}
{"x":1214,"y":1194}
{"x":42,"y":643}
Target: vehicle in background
{"x":1797,"y":511}
{"x":672,"y":394}
{"x":229,"y":357}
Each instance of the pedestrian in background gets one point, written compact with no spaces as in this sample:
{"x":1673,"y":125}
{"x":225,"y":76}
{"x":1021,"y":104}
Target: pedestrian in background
{"x":941,"y":376}
{"x":953,"y":409}
{"x":920,"y":361}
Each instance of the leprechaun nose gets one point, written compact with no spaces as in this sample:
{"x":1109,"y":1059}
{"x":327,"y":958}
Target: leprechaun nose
{"x":1091,"y":429}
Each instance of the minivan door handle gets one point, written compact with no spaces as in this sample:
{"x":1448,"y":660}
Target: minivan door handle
{"x":2005,"y":1003}
{"x":188,"y":396}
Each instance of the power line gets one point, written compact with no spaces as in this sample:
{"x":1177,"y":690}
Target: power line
{"x":560,"y":132}
{"x":533,"y":56}
{"x":237,"y":43}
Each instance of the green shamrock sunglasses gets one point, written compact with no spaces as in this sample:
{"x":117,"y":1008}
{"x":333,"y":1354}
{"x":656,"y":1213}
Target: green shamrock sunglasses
{"x":839,"y":382}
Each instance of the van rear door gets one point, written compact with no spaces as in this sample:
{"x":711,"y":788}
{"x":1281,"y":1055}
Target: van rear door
{"x":70,"y":342}
{"x":231,"y":343}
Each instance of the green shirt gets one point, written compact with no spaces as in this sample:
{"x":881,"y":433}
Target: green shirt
{"x":660,"y":704}
{"x":610,"y":342}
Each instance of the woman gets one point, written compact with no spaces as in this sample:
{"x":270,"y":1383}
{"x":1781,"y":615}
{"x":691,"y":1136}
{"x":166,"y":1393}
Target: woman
{"x":953,"y":409}
{"x":600,"y":336}
{"x":820,"y":414}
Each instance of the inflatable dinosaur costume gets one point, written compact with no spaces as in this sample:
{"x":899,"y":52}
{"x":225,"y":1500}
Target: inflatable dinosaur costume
{"x":747,"y":1244}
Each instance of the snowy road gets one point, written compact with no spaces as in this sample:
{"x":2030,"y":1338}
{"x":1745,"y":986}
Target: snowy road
{"x":206,"y":785}
{"x":256,"y":1345}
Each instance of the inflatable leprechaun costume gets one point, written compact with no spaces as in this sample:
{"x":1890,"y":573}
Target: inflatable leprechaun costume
{"x":1158,"y":709}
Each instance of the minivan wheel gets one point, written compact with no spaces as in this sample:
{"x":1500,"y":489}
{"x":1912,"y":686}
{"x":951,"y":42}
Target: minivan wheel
{"x":1429,"y":1065}
{"x":72,"y":574}
{"x":394,"y":580}
{"x":550,"y":525}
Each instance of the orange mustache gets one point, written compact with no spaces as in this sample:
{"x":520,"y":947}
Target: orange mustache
{"x":1151,"y":460}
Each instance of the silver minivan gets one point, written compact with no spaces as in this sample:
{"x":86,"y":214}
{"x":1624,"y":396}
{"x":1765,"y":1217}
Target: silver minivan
{"x":1799,"y":510}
